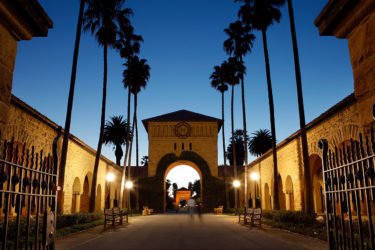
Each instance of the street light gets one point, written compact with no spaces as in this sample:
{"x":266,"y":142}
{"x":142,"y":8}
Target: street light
{"x":236,"y":185}
{"x":110,"y":177}
{"x":254,"y":176}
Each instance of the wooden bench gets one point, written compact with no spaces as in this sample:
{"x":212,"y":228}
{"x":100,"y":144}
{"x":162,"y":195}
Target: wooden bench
{"x":147,"y":211}
{"x":218,"y":210}
{"x":245,"y":217}
{"x":257,"y":216}
{"x":251,"y":216}
{"x":114,"y":214}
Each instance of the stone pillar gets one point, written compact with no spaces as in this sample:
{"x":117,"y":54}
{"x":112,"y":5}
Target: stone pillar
{"x":355,"y":20}
{"x":20,"y":20}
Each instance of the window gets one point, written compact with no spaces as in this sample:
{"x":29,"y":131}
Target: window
{"x":183,"y":146}
{"x":190,"y":146}
{"x":175,"y":146}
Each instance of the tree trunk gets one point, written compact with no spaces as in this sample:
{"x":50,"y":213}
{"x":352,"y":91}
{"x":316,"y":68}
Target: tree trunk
{"x":119,"y":154}
{"x":99,"y":150}
{"x":136,"y":153}
{"x":309,"y":209}
{"x":225,"y":161}
{"x":126,"y":156}
{"x":244,"y":140}
{"x":234,"y":152}
{"x":64,"y":150}
{"x":276,"y":203}
{"x":129,"y":162}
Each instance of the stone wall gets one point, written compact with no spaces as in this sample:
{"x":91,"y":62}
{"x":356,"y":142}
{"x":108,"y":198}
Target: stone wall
{"x":19,"y":21}
{"x":28,"y":125}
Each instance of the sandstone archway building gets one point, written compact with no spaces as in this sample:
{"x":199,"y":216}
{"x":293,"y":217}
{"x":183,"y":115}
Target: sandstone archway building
{"x":182,"y":138}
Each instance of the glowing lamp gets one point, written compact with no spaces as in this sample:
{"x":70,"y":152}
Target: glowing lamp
{"x":129,"y":184}
{"x":254,"y":176}
{"x":110,"y":177}
{"x":236,"y":183}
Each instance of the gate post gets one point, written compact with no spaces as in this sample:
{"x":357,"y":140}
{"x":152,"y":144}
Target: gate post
{"x":323,"y":145}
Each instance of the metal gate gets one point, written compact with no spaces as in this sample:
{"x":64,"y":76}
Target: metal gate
{"x":27,"y":196}
{"x":349,"y":190}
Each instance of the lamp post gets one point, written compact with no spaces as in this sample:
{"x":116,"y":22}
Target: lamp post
{"x":254,"y":176}
{"x":128,"y":186}
{"x":110,"y":178}
{"x":236,"y":185}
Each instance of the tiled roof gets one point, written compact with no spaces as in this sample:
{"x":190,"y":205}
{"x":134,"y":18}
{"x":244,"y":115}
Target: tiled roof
{"x":182,"y":115}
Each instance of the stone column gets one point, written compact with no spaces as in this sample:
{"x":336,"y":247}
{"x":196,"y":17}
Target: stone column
{"x":20,"y":20}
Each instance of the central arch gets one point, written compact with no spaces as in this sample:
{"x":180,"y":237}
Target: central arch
{"x":152,"y":189}
{"x":176,"y":164}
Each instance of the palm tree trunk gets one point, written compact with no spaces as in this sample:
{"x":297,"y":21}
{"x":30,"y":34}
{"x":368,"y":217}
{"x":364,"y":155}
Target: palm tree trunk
{"x":126,"y":155}
{"x":305,"y":153}
{"x":99,"y":150}
{"x":129,"y":162}
{"x":276,"y":204}
{"x":244,"y":140}
{"x":136,"y":153}
{"x":118,"y":153}
{"x":225,"y":161}
{"x":234,"y":151}
{"x":60,"y":199}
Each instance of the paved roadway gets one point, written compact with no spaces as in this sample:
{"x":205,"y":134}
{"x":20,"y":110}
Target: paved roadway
{"x":179,"y":231}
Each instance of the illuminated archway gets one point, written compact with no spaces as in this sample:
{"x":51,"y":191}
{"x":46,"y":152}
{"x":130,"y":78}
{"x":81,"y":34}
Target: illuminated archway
{"x":177,"y":164}
{"x":152,"y":189}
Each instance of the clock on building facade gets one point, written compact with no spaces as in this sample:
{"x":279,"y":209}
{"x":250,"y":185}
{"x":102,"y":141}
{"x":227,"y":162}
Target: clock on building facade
{"x":182,"y":130}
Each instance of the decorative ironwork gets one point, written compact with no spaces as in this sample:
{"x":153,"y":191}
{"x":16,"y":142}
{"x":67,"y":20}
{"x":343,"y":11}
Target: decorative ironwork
{"x":349,"y":190}
{"x":27,"y":196}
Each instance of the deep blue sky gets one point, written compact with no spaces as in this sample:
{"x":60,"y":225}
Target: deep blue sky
{"x":183,"y":41}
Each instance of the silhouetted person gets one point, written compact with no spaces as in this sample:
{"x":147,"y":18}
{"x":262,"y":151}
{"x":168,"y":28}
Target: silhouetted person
{"x":191,"y":205}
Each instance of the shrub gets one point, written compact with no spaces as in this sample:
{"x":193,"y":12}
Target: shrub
{"x":294,"y":217}
{"x":77,"y":218}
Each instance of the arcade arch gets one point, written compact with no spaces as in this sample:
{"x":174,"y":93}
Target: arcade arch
{"x":75,"y":195}
{"x":289,"y":193}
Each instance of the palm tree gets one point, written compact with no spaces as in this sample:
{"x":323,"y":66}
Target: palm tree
{"x":102,"y":19}
{"x":260,"y":14}
{"x":305,"y":153}
{"x":64,"y":149}
{"x":219,"y":82}
{"x":128,"y":45}
{"x":230,"y":68}
{"x":115,"y":132}
{"x":239,"y":43}
{"x":238,"y":145}
{"x":136,"y":76}
{"x":260,"y":142}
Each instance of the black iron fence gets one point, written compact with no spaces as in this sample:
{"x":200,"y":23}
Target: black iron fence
{"x":348,"y":175}
{"x":27,"y":196}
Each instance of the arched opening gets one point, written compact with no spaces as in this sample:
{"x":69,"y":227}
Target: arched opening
{"x":75,"y":195}
{"x":317,"y":181}
{"x":182,"y":180}
{"x":289,"y":193}
{"x":85,"y":197}
{"x":267,"y":197}
{"x":281,"y":193}
{"x":98,"y":200}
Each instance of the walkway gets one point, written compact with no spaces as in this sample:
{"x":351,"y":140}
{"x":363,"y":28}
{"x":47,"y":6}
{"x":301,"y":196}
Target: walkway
{"x":178,"y":231}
